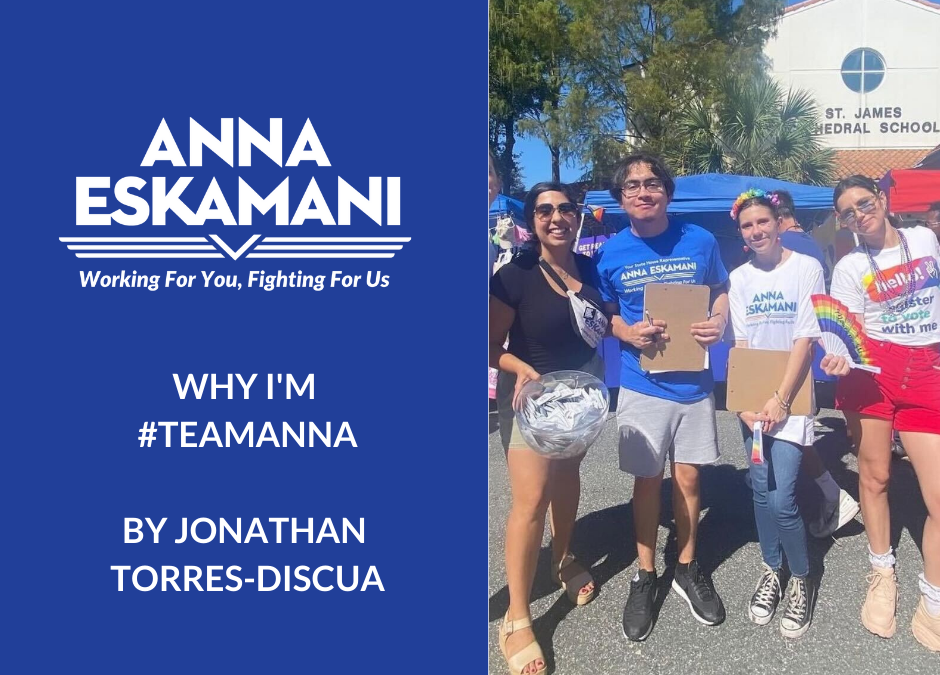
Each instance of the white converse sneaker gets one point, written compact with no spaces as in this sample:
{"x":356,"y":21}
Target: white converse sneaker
{"x":833,"y":516}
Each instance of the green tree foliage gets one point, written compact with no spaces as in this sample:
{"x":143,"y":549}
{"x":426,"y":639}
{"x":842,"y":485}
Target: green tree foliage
{"x":649,"y":61}
{"x":522,"y":56}
{"x":755,"y":129}
{"x":568,"y":119}
{"x":595,"y":78}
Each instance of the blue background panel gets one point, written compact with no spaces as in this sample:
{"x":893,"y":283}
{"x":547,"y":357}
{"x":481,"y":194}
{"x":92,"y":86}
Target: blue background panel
{"x":85,"y":88}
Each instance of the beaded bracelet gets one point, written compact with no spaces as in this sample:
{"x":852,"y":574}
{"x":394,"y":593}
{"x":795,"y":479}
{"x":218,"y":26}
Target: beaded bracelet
{"x":780,"y":402}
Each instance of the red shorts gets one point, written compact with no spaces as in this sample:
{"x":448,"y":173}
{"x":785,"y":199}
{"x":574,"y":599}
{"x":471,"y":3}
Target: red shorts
{"x":907,"y":391}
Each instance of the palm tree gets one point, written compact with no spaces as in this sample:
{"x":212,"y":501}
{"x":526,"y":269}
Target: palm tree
{"x":756,"y":130}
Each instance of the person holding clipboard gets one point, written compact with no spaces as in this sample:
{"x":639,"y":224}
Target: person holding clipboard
{"x":772,"y":309}
{"x":662,"y":415}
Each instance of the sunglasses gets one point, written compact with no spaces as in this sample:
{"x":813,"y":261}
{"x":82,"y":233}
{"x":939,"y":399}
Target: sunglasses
{"x":632,"y":187}
{"x":865,"y":206}
{"x":546,"y":211}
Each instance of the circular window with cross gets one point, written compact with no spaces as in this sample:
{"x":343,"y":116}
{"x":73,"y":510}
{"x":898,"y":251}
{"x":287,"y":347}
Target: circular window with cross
{"x":863,"y":70}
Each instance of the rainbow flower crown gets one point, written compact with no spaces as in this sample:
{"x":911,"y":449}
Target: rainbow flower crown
{"x":751,"y":194}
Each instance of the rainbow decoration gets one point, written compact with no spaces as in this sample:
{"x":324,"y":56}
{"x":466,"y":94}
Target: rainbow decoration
{"x":597,"y":212}
{"x":751,"y":194}
{"x":757,"y":446}
{"x":842,"y":333}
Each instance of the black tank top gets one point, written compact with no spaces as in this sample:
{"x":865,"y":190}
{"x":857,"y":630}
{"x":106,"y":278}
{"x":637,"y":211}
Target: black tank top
{"x":542,"y":334}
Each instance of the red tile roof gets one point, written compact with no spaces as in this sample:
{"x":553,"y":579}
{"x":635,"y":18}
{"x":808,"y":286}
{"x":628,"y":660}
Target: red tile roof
{"x":875,"y":163}
{"x":801,"y":5}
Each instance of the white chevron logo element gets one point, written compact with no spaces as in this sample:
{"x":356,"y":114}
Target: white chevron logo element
{"x":235,"y":255}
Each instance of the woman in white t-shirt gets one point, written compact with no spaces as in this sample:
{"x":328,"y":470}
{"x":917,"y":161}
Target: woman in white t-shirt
{"x":772,"y":308}
{"x":891,"y":283}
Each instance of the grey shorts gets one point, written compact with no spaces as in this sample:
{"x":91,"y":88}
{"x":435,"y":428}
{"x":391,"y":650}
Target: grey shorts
{"x":509,"y":434}
{"x":652,"y":429}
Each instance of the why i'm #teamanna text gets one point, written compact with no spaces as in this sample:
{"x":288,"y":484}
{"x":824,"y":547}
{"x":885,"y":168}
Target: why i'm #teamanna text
{"x":186,"y":434}
{"x":207,"y":531}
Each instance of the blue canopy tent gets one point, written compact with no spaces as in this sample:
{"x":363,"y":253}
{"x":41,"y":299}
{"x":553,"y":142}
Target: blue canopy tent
{"x":706,"y":200}
{"x":503,"y":204}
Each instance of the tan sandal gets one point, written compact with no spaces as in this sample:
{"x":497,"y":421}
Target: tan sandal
{"x":575,"y":581}
{"x":528,"y":654}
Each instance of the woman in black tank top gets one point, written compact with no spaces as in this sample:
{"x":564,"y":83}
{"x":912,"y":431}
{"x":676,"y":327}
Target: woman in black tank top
{"x":528,"y":306}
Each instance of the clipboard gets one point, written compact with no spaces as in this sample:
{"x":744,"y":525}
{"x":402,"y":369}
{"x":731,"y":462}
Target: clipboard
{"x":679,"y":305}
{"x":754,"y":374}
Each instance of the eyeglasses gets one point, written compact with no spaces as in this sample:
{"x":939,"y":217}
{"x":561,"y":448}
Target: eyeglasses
{"x":632,"y":187}
{"x":847,"y":217}
{"x":546,"y":211}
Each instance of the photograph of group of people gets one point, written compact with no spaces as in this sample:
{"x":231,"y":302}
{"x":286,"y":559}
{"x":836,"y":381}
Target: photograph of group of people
{"x":666,"y":421}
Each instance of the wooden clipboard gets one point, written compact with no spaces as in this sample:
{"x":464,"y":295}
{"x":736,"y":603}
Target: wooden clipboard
{"x":679,"y":305}
{"x":754,"y":375}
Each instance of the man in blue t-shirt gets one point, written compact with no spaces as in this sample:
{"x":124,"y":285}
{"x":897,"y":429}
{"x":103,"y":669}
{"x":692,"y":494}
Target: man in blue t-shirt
{"x":667,"y":414}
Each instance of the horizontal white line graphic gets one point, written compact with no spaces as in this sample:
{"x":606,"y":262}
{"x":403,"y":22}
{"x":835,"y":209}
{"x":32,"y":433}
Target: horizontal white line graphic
{"x":149,"y":255}
{"x":285,"y":247}
{"x":335,"y":240}
{"x":133,"y":240}
{"x":320,"y":255}
{"x":328,"y":247}
{"x":141,"y":247}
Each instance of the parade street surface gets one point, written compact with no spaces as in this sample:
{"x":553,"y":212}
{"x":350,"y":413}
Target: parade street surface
{"x":589,"y":640}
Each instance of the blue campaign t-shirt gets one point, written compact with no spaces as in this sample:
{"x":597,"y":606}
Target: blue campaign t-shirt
{"x":682,"y":254}
{"x":799,"y":241}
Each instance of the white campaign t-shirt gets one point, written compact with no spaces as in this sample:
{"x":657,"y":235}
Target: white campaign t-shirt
{"x":854,"y":285}
{"x":771,"y":309}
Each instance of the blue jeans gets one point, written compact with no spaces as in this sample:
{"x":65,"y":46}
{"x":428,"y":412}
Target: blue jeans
{"x":779,"y":525}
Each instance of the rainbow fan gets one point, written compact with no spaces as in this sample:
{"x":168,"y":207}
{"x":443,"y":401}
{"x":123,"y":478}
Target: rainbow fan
{"x":842,"y":333}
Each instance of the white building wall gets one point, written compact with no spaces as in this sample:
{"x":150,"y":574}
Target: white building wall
{"x":904,"y":110}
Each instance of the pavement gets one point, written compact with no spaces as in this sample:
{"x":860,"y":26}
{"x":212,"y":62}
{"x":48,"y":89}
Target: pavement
{"x":589,"y":639}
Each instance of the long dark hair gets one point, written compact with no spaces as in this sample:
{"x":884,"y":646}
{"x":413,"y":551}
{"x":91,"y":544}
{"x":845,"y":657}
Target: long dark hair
{"x":866,"y":183}
{"x":856,"y":181}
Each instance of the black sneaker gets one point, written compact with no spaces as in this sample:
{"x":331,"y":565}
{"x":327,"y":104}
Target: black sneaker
{"x":801,"y":595}
{"x":695,"y":589}
{"x":638,"y":612}
{"x":897,"y":448}
{"x":766,"y":598}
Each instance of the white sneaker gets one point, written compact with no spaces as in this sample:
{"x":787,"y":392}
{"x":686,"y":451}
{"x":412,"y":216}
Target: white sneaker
{"x":834,"y":515}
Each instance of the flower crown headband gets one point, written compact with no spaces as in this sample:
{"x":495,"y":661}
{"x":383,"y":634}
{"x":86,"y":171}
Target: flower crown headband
{"x":751,"y":194}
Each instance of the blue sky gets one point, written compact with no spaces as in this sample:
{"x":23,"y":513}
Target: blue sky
{"x":536,"y":163}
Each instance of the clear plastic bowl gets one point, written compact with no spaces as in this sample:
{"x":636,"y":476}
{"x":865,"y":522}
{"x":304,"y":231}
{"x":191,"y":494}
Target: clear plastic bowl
{"x":585,"y":429}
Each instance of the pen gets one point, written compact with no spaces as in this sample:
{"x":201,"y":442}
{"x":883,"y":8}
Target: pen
{"x":649,"y":320}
